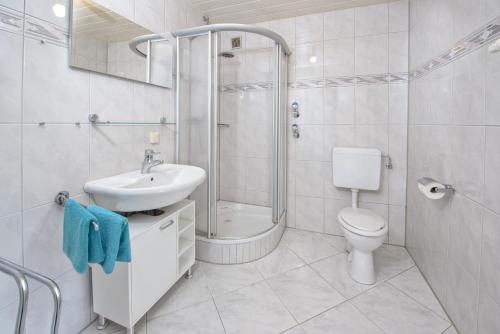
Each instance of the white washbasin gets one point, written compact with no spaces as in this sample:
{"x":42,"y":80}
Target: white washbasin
{"x":166,"y":184}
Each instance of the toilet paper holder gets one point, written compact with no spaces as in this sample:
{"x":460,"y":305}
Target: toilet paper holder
{"x":444,"y":188}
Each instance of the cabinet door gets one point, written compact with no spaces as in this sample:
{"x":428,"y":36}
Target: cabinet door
{"x":154,"y":265}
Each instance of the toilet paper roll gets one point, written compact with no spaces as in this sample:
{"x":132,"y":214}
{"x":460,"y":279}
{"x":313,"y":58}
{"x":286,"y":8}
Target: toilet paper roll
{"x":427,"y":188}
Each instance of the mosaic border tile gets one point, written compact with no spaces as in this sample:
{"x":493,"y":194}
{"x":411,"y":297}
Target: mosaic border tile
{"x":11,"y":20}
{"x":373,"y":79}
{"x":45,"y":31}
{"x":463,"y":47}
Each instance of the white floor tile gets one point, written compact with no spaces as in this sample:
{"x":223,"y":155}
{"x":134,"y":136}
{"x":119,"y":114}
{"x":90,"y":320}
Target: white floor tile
{"x":304,"y":293}
{"x":199,"y":318}
{"x":309,"y":246}
{"x":184,"y":293}
{"x":334,"y":271}
{"x":280,"y":260}
{"x":412,"y":283}
{"x":397,"y":313}
{"x":223,"y":278}
{"x":342,"y":319}
{"x":254,"y":309}
{"x":390,"y":261}
{"x":295,"y":330}
{"x":337,"y":242}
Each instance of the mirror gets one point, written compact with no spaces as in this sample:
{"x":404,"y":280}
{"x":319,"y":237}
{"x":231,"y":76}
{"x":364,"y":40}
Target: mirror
{"x":105,"y":42}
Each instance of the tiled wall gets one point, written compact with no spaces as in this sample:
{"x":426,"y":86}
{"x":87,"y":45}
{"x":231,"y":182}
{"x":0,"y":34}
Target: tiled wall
{"x":348,"y":73}
{"x":36,"y":85}
{"x":454,"y":137}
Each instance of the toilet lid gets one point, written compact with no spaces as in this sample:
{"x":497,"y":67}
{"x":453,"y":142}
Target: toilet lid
{"x":362,"y":219}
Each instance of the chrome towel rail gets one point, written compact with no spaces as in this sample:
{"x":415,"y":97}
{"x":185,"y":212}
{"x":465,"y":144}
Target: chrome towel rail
{"x":19,"y":273}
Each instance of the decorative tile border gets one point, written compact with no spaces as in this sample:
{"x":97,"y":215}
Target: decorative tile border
{"x":45,"y":31}
{"x":11,"y":20}
{"x":373,"y":79}
{"x":470,"y":43}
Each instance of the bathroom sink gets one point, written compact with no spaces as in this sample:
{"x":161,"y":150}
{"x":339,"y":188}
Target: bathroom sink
{"x":166,"y":184}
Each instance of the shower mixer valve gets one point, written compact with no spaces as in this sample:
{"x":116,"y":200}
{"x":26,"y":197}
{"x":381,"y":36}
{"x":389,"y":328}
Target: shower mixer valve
{"x":295,"y":131}
{"x":295,"y":108}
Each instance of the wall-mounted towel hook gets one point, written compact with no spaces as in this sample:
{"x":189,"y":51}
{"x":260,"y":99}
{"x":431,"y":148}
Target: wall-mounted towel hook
{"x":62,"y":197}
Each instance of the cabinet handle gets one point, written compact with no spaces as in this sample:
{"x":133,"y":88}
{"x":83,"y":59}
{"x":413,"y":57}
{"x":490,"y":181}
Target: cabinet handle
{"x":164,"y":226}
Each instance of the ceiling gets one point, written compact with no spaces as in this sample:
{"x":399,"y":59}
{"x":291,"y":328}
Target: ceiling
{"x":251,"y":11}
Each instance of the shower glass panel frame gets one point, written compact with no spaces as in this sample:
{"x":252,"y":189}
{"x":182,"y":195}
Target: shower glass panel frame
{"x":207,"y":195}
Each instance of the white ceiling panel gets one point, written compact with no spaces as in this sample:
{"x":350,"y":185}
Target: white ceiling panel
{"x":251,"y":11}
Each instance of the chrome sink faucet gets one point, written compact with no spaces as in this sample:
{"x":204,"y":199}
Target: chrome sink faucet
{"x":148,"y":162}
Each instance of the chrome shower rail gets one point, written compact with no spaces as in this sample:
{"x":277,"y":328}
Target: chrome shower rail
{"x":234,"y":27}
{"x":19,"y":274}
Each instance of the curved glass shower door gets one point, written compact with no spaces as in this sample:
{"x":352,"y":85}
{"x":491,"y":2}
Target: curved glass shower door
{"x":231,"y":111}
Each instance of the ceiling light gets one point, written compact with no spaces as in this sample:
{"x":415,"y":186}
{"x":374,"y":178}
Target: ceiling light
{"x":59,"y":10}
{"x":313,"y":59}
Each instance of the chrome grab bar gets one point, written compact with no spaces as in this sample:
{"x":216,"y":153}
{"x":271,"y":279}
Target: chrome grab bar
{"x":22,"y":285}
{"x":19,"y":273}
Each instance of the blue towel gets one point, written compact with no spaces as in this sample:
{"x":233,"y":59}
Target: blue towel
{"x":81,"y":239}
{"x":115,"y":237}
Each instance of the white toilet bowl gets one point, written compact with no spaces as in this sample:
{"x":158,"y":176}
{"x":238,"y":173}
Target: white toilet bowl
{"x":365,"y":231}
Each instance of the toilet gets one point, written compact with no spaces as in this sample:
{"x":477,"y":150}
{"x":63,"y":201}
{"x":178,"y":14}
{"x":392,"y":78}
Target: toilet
{"x":359,"y":169}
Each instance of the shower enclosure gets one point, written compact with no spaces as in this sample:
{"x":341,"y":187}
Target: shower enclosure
{"x":231,"y":120}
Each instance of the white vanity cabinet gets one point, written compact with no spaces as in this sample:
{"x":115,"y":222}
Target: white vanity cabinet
{"x":163,"y":250}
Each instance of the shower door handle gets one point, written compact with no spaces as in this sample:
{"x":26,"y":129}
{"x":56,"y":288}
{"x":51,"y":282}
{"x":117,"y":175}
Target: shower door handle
{"x":223,"y":125}
{"x":295,"y":130}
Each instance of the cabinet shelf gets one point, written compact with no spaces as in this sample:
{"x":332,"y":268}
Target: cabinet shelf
{"x":184,"y":245}
{"x":184,"y":224}
{"x":186,"y":260}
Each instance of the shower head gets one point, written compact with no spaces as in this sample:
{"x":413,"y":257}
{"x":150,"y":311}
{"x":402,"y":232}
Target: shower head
{"x":227,"y":54}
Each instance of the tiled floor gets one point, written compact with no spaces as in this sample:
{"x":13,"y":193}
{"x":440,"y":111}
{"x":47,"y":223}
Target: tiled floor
{"x":301,"y":287}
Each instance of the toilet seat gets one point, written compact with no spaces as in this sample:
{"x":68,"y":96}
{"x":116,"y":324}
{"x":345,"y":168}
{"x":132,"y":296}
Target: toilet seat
{"x":363,"y":222}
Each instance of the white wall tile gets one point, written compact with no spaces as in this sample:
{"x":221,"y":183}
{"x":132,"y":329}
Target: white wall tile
{"x":492,"y":165}
{"x":469,"y":89}
{"x":339,"y":105}
{"x":309,"y":29}
{"x":309,"y":61}
{"x":42,"y":238}
{"x":492,"y":73}
{"x":310,"y":144}
{"x":372,"y":105}
{"x":398,"y":16}
{"x":112,"y":99}
{"x":45,"y":173}
{"x":309,"y":178}
{"x":371,"y":20}
{"x":339,"y":24}
{"x":339,"y":57}
{"x":371,"y":54}
{"x":11,"y":76}
{"x":44,"y":9}
{"x":309,"y":213}
{"x":14,"y":4}
{"x":398,"y":52}
{"x":53,"y":92}
{"x":10,"y":176}
{"x":397,"y":225}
